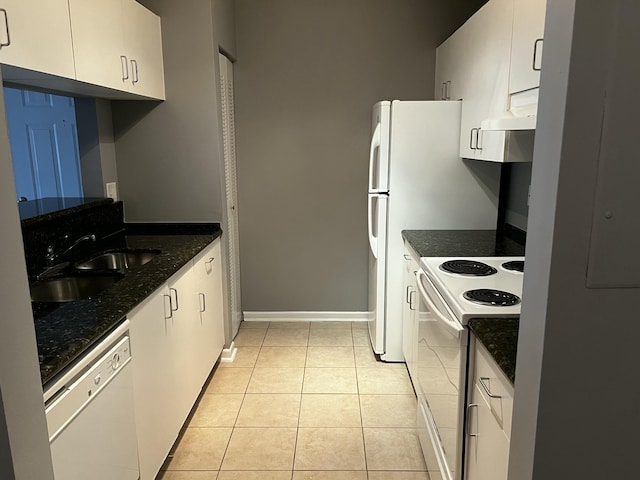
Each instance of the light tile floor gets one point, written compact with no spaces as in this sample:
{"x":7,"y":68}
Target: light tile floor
{"x":301,"y":401}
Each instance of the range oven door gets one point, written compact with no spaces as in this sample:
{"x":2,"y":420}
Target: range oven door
{"x":442,"y":360}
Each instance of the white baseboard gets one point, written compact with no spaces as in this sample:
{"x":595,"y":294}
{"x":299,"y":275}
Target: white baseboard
{"x":305,"y":316}
{"x":229,"y":354}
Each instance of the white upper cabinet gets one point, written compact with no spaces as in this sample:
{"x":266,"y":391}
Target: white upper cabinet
{"x":36,"y":35}
{"x":143,"y":50}
{"x":451,"y":58}
{"x":492,"y":64}
{"x":485,"y":78}
{"x":526,"y":46}
{"x":118,"y":45}
{"x":97,"y":27}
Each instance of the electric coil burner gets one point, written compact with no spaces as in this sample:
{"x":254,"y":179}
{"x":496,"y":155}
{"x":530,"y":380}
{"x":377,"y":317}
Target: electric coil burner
{"x":489,"y":296}
{"x":514,"y":265}
{"x":468,"y":267}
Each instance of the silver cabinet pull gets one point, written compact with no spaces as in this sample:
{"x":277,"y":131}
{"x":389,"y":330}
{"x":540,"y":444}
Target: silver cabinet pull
{"x":406,"y":257}
{"x":6,"y":28}
{"x":208,"y":262}
{"x":134,"y":73}
{"x":469,"y":407}
{"x":477,"y":136}
{"x":443,"y":91}
{"x":175,"y":292}
{"x":170,"y":307}
{"x":486,"y":388}
{"x":411,"y":297}
{"x":535,"y":54}
{"x":447,"y":90}
{"x":124,"y":65}
{"x":203,"y":302}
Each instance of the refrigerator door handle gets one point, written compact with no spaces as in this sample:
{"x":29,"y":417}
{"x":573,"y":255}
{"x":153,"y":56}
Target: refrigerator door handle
{"x":376,"y":139}
{"x":373,"y":241}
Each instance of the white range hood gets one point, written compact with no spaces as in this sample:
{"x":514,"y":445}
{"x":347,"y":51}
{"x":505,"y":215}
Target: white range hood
{"x":521,"y":115}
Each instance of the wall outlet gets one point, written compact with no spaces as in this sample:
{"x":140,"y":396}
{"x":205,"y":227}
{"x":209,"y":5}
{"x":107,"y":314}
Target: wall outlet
{"x":112,"y":191}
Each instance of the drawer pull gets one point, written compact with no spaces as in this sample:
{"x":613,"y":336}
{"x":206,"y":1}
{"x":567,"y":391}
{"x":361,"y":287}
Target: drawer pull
{"x":469,"y":407}
{"x":486,"y":389}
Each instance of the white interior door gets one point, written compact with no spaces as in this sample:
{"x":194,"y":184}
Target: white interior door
{"x":44,"y":144}
{"x":231,"y":223}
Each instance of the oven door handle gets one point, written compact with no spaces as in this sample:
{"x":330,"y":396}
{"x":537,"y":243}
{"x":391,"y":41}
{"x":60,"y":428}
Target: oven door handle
{"x":452,"y":325}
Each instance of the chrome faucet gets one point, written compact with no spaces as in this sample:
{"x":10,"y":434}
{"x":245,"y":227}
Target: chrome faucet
{"x":51,"y":257}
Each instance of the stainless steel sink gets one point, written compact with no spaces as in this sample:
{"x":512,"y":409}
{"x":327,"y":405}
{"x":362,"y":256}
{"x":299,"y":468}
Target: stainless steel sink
{"x":72,"y":288}
{"x":117,"y":260}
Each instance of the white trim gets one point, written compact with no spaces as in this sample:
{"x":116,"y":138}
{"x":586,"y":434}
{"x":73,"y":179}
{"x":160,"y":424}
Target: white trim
{"x":305,"y":316}
{"x":229,"y":354}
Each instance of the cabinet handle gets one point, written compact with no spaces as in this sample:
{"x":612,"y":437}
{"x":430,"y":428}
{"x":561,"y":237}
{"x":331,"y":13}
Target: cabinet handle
{"x":176,"y":294}
{"x":208,"y":262}
{"x":406,"y":257}
{"x":535,"y":54}
{"x":443,"y":91}
{"x":447,"y":90}
{"x":477,"y":132}
{"x":134,"y":73}
{"x":170,"y":307}
{"x":411,"y":297}
{"x":406,"y":296}
{"x":124,"y":66}
{"x":486,"y":388}
{"x":203,"y":302}
{"x":469,"y":407}
{"x":6,"y":28}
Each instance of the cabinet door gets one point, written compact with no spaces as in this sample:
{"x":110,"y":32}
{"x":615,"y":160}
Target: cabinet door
{"x":143,"y":50}
{"x":152,"y":333}
{"x":97,"y":29}
{"x":451,"y":60}
{"x":182,"y":289}
{"x":409,"y":332}
{"x":526,"y":46}
{"x":36,"y":35}
{"x":485,"y":93}
{"x":488,"y":447}
{"x":210,"y":335}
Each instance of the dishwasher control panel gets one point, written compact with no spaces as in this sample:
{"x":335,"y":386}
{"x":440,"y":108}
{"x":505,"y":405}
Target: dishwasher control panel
{"x":80,"y":389}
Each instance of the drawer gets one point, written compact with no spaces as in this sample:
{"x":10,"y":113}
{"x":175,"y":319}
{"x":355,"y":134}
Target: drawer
{"x":495,"y":388}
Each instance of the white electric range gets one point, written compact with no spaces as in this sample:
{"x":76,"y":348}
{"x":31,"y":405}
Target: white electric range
{"x":477,"y":286}
{"x":452,"y":291}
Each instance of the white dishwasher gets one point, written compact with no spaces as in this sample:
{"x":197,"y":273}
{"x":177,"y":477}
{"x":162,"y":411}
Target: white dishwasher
{"x":90,"y":415}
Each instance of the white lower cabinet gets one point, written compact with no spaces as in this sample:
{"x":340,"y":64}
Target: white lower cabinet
{"x":173,"y":348}
{"x":409,"y":321}
{"x":207,"y":271}
{"x":488,"y":427}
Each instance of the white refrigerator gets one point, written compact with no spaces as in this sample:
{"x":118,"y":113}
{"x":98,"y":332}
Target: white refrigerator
{"x":417,"y":181}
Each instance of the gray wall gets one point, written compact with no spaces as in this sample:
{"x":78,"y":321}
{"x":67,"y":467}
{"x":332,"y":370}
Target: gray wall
{"x":576,"y":390}
{"x":306,"y":77}
{"x":22,"y":421}
{"x":168,"y":155}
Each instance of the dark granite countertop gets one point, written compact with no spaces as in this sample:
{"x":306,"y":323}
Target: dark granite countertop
{"x":500,"y":338}
{"x":468,"y":243}
{"x":65,"y":331}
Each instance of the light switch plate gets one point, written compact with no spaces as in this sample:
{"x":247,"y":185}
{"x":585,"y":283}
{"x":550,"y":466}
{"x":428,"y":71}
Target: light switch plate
{"x":112,"y":191}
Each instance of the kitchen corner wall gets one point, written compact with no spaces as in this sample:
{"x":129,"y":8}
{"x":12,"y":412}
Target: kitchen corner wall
{"x":306,"y":77}
{"x":168,"y":153}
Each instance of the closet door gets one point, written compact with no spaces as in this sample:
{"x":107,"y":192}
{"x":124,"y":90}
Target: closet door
{"x":231,"y":222}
